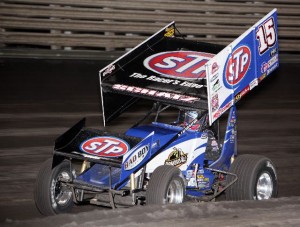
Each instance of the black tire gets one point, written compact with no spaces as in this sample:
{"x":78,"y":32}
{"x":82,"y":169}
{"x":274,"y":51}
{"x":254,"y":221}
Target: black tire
{"x":51,"y":197}
{"x":165,"y":186}
{"x":257,"y":179}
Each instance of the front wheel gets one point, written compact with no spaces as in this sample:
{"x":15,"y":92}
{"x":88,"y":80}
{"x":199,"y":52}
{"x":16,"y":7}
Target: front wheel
{"x":257,"y":179}
{"x":51,"y":195}
{"x":165,"y":186}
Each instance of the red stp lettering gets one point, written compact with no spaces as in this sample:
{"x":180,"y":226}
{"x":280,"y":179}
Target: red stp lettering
{"x":186,"y":65}
{"x":105,"y":146}
{"x":238,"y":65}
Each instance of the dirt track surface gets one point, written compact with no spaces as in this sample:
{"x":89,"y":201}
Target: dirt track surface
{"x":40,"y":99}
{"x":275,"y":213}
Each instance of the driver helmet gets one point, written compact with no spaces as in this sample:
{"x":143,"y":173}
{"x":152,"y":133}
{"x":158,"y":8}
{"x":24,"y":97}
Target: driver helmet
{"x":190,"y":116}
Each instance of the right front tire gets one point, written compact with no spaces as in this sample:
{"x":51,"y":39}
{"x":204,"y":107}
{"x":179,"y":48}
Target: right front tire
{"x":51,"y":195}
{"x":165,"y":186}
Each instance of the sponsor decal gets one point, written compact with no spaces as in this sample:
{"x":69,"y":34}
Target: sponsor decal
{"x":190,"y":85}
{"x":170,"y":32}
{"x":155,"y":93}
{"x":214,"y":78}
{"x":239,"y":95}
{"x":136,"y":158}
{"x":264,"y":67}
{"x":237,"y":66}
{"x":223,"y":109}
{"x":214,"y":68}
{"x":166,"y":80}
{"x":269,"y":65}
{"x":109,"y":70}
{"x":273,"y":52}
{"x":203,"y":182}
{"x":272,"y":68}
{"x":176,"y":157}
{"x":217,"y":114}
{"x":86,"y":155}
{"x":204,"y":135}
{"x":202,"y":178}
{"x":253,"y":83}
{"x":192,"y":182}
{"x":215,"y":102}
{"x":263,"y":76}
{"x":216,"y":86}
{"x":105,"y":146}
{"x":272,"y":61}
{"x":232,"y":122}
{"x":200,"y":171}
{"x":190,"y":174}
{"x":232,"y":138}
{"x":184,"y":65}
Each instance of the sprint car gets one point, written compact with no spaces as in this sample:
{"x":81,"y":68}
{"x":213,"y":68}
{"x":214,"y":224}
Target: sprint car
{"x":177,"y":159}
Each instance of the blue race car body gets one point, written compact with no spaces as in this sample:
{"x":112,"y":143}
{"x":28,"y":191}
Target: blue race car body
{"x":166,"y":162}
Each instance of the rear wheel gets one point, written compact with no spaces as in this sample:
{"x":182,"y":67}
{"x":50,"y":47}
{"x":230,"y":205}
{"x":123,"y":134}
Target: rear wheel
{"x":257,"y":179}
{"x":51,"y":195}
{"x":165,"y":186}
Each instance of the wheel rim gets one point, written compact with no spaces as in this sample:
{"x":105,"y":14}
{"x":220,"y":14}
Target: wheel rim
{"x":175,"y":192}
{"x":60,"y":193}
{"x":264,"y":186}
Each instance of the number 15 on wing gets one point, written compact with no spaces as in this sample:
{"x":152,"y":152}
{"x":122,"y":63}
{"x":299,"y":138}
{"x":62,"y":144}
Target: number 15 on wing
{"x":266,"y":35}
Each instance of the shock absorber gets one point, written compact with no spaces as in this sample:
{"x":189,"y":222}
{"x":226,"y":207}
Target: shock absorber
{"x":132,"y":188}
{"x":84,"y":166}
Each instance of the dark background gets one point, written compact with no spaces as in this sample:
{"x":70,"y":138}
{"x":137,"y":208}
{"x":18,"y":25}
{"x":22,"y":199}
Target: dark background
{"x":40,"y":99}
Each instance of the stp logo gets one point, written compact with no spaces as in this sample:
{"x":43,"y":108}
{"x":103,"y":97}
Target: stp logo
{"x":237,"y":65}
{"x":105,"y":146}
{"x":184,"y":65}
